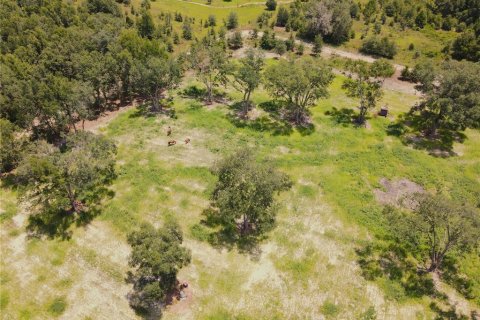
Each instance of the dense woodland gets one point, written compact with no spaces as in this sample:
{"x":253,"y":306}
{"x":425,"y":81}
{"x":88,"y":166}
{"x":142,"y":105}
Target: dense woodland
{"x":63,"y":64}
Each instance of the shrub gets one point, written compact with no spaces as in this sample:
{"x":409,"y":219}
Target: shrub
{"x":382,"y":47}
{"x":271,"y":5}
{"x":232,"y":21}
{"x":58,"y":306}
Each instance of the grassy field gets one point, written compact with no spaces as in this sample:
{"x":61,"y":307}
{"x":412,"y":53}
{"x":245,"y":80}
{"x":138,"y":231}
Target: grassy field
{"x":427,"y":42}
{"x":307,"y":266}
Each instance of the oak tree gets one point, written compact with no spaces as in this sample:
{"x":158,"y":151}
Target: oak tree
{"x":365,"y":83}
{"x":244,"y":196}
{"x":157,"y":256}
{"x":299,"y":83}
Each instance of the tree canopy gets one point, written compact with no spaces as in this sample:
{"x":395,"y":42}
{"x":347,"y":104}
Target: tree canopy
{"x":70,"y":179}
{"x":210,"y":62}
{"x":299,"y":83}
{"x":248,"y":74}
{"x":243,"y":198}
{"x":366,"y":83}
{"x":157,"y":256}
{"x":434,"y":228}
{"x":452,"y":97}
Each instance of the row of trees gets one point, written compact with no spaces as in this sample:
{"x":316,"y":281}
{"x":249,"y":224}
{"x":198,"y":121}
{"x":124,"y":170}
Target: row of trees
{"x":298,"y":83}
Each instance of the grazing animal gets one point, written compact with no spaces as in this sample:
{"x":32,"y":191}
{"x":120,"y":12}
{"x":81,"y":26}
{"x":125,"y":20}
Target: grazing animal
{"x":187,"y":140}
{"x":172,"y":143}
{"x":169,"y":131}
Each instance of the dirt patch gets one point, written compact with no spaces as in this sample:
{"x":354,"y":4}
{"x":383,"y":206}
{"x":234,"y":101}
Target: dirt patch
{"x":396,"y":192}
{"x":98,"y":237}
{"x":104,"y":119}
{"x":94,"y":294}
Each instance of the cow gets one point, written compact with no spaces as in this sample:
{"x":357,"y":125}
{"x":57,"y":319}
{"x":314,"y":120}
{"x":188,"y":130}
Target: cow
{"x":187,"y":141}
{"x":172,"y":143}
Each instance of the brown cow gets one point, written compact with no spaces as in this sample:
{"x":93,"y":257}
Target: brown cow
{"x":169,"y":131}
{"x":187,"y":141}
{"x":172,"y":143}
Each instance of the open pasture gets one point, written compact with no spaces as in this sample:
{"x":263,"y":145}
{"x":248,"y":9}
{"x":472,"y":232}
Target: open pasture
{"x":306,"y":268}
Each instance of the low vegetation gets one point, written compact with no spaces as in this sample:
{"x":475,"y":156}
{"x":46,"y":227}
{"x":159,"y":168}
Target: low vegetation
{"x":215,"y":158}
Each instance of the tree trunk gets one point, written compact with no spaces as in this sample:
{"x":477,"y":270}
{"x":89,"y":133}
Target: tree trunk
{"x":72,"y":200}
{"x":244,"y":228}
{"x":361,"y":115}
{"x":209,"y":95}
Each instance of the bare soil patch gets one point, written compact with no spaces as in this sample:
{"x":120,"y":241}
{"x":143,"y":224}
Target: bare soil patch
{"x":396,"y":192}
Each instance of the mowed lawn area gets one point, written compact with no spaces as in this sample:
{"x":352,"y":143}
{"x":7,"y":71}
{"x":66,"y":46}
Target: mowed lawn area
{"x":307,"y":266}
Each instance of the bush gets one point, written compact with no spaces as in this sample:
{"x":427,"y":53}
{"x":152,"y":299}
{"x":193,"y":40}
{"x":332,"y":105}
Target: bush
{"x":330,"y":309}
{"x":58,"y":306}
{"x":282,"y":17}
{"x":267,"y":41}
{"x":466,"y":46}
{"x":235,"y":41}
{"x":382,"y":47}
{"x":232,"y":21}
{"x":271,"y":5}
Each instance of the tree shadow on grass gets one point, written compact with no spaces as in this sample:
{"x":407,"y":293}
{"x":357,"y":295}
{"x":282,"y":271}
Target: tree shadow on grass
{"x":200,"y":94}
{"x":221,"y":236}
{"x":449,"y":314}
{"x":277,"y":120}
{"x":271,"y":122}
{"x":56,"y":223}
{"x":146,"y":110}
{"x":194,"y":92}
{"x":391,"y":262}
{"x":153,"y":310}
{"x":409,"y":129}
{"x":344,"y":116}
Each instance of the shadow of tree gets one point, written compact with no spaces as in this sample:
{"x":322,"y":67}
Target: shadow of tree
{"x":145,"y":110}
{"x":449,"y":314}
{"x":194,"y":92}
{"x":344,"y":116}
{"x":213,"y":230}
{"x":390,"y":261}
{"x":272,"y":122}
{"x":277,"y":120}
{"x":200,"y":94}
{"x":138,"y":301}
{"x":55,"y":223}
{"x":410,"y":129}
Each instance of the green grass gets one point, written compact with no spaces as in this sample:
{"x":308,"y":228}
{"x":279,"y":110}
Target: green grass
{"x":329,"y":211}
{"x":57,"y":306}
{"x":428,"y":42}
{"x":330,"y":310}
